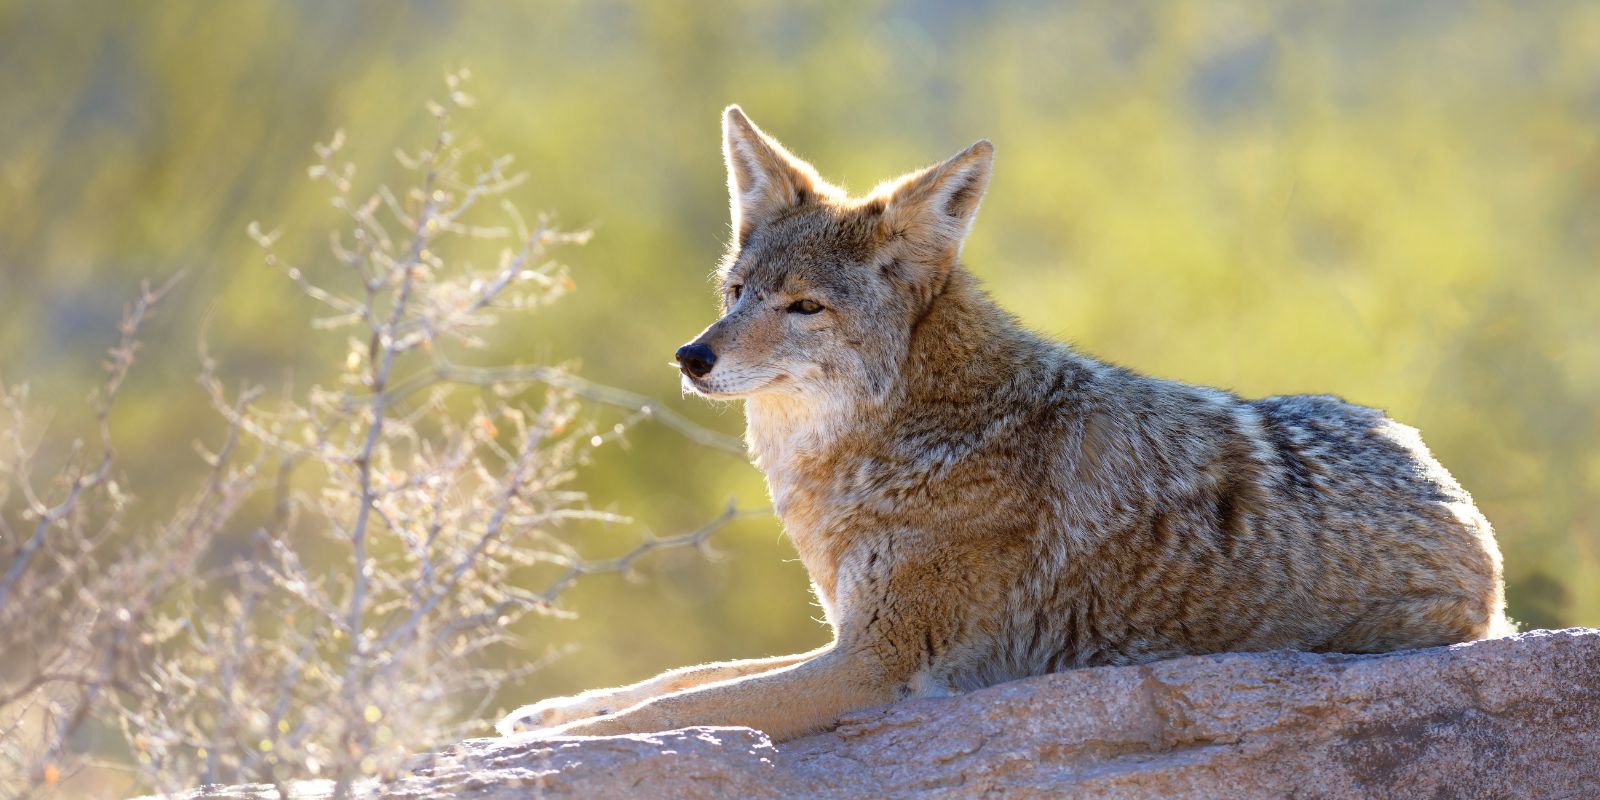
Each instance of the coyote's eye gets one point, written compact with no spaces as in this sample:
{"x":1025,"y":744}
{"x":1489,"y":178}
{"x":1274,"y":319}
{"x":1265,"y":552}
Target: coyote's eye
{"x":735,"y":290}
{"x":804,"y":307}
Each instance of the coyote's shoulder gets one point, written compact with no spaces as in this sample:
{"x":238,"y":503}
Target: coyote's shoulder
{"x":976,"y":503}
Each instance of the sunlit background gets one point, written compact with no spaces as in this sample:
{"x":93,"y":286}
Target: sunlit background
{"x":1398,"y":203}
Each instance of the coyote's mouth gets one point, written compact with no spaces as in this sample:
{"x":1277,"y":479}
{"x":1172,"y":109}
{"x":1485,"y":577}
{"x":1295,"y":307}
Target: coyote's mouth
{"x":718,"y":388}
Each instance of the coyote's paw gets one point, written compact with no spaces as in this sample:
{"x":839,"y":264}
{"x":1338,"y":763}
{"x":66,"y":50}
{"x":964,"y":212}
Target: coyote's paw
{"x":556,"y":711}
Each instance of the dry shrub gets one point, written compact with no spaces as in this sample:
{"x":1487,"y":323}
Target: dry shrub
{"x":402,"y":513}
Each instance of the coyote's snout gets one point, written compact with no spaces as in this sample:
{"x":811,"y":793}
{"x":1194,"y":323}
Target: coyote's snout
{"x":975,"y":503}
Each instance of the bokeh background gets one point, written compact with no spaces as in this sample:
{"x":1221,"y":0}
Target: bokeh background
{"x":1395,"y":202}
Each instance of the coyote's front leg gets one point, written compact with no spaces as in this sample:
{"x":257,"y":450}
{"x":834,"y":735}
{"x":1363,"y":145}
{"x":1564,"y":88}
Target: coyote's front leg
{"x":785,"y":703}
{"x":882,"y":648}
{"x":598,"y":702}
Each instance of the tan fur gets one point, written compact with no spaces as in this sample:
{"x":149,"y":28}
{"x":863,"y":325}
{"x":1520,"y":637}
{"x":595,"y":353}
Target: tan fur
{"x":975,"y":503}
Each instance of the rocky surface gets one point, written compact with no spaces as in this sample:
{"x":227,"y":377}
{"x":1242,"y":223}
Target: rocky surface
{"x":1516,"y":717}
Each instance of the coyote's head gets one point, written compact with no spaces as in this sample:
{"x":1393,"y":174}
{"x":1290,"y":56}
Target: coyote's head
{"x":820,"y":291}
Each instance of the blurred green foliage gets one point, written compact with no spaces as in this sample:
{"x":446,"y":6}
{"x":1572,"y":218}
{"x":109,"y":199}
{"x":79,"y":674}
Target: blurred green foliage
{"x":1397,"y":203}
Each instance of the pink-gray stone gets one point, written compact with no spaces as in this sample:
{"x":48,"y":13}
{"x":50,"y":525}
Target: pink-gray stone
{"x":1516,"y":718}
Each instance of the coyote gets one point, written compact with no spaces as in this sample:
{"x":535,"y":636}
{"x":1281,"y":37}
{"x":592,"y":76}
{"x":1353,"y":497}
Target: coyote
{"x":975,"y":503}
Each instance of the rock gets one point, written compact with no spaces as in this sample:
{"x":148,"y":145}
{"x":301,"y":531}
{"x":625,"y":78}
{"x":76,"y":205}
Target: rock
{"x":1514,"y":717}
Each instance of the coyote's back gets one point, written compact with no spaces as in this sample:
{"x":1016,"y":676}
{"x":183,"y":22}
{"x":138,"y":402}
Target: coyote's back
{"x":1184,"y":520}
{"x":975,"y":503}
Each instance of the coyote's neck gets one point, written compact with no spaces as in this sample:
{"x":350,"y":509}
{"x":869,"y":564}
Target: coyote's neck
{"x":782,"y":430}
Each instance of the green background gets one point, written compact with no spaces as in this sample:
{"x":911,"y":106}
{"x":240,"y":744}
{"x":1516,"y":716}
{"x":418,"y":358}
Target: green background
{"x":1394,"y":202}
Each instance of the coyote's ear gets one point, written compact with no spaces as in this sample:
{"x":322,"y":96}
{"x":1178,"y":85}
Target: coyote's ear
{"x":935,"y":207}
{"x":763,"y":178}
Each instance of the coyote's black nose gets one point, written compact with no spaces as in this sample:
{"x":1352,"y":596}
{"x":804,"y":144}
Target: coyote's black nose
{"x":696,"y":360}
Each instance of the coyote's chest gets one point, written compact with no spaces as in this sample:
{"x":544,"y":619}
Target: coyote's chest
{"x":777,"y":434}
{"x":816,"y":481}
{"x":818,"y":516}
{"x":842,"y":509}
